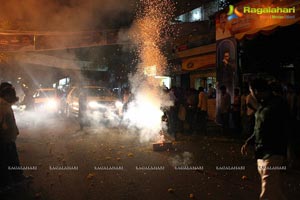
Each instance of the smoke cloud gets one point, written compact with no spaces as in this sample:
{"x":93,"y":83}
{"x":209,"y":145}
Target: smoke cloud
{"x":62,"y":14}
{"x":183,"y":159}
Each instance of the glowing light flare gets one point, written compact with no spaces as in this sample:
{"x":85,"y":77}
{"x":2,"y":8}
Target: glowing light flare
{"x":119,"y":104}
{"x":145,"y":113}
{"x":52,"y":104}
{"x":161,"y":138}
{"x":94,"y":104}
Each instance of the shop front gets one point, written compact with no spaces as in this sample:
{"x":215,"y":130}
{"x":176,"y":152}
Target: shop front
{"x":260,"y":38}
{"x":198,"y":70}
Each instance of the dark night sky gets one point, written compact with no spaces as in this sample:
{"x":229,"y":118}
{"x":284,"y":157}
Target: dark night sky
{"x":50,"y":15}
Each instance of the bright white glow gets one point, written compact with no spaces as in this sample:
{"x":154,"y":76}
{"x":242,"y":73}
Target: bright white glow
{"x":196,"y":14}
{"x":146,"y":113}
{"x":93,"y":104}
{"x":52,"y":104}
{"x":192,"y":16}
{"x":164,"y":80}
{"x":14,"y":107}
{"x":119,"y":104}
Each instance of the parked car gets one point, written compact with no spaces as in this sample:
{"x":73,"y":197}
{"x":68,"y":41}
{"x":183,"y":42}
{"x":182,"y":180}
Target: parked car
{"x":46,"y":100}
{"x":100,"y":102}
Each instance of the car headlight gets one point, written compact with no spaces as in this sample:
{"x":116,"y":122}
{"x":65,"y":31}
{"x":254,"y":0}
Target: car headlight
{"x":52,"y":104}
{"x":93,"y":104}
{"x":119,"y":104}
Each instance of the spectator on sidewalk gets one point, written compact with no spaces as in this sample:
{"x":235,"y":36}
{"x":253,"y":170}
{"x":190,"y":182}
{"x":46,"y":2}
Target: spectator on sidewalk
{"x":270,"y":139}
{"x":292,"y":119}
{"x":191,"y":107}
{"x":82,"y":109}
{"x":236,"y":111}
{"x":225,"y":103}
{"x":202,"y":112}
{"x":211,"y":92}
{"x":244,"y":95}
{"x":251,"y":104}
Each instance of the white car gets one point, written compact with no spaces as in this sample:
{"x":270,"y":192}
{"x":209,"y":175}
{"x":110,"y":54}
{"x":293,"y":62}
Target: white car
{"x":46,"y":100}
{"x":99,"y":100}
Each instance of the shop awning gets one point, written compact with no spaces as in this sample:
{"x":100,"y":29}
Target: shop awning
{"x":266,"y":30}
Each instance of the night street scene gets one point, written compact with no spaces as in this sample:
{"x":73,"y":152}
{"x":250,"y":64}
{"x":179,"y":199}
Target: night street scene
{"x":149,"y":100}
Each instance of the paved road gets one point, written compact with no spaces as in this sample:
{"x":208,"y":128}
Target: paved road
{"x":111,"y":163}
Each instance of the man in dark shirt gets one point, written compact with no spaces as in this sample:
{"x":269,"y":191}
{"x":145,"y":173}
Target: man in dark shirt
{"x":8,"y":134}
{"x":270,"y":138}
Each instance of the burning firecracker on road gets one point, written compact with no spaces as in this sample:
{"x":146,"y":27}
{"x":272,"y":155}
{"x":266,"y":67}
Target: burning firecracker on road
{"x":149,"y":32}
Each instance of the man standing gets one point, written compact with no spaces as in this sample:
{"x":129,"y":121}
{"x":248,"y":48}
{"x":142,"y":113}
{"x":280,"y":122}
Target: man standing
{"x":8,"y":135}
{"x":270,"y":139}
{"x":236,"y":111}
{"x":202,"y":111}
{"x":82,"y":109}
{"x":211,"y":93}
{"x":251,"y":107}
{"x":225,"y":104}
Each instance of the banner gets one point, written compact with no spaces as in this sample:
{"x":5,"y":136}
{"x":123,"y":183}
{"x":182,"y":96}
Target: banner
{"x":59,"y":40}
{"x":16,"y":42}
{"x":70,"y":40}
{"x":227,"y":69}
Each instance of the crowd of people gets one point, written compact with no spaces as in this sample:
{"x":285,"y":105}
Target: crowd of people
{"x":267,"y":113}
{"x":189,"y":112}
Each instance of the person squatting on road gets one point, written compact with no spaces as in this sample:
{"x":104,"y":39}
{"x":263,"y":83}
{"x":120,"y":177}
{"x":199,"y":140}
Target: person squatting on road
{"x":8,"y":135}
{"x":270,"y":139}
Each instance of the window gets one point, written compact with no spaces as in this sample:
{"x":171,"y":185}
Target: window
{"x":196,"y":15}
{"x":192,"y":16}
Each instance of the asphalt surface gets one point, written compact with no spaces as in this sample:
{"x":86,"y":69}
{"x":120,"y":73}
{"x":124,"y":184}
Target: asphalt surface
{"x":112,"y":164}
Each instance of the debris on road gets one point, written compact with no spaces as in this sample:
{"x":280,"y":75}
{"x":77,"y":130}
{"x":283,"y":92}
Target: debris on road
{"x":171,"y":190}
{"x":90,"y":176}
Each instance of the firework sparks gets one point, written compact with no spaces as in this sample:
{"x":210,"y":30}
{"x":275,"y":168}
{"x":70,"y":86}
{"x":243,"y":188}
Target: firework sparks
{"x":149,"y":31}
